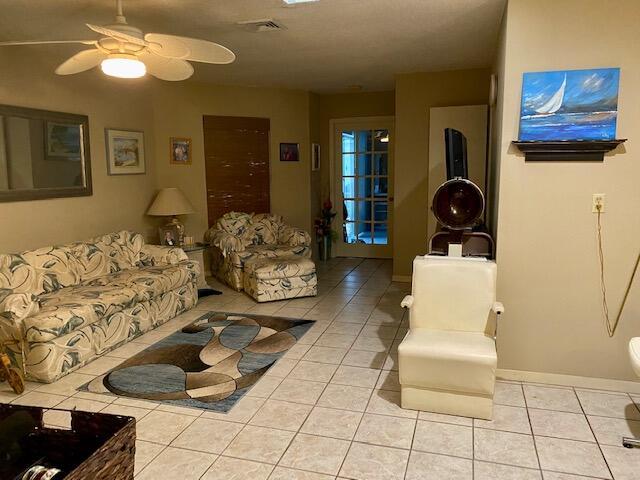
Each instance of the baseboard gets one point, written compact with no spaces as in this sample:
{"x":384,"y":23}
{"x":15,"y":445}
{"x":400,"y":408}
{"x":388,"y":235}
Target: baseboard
{"x":401,"y":278}
{"x":569,"y":380}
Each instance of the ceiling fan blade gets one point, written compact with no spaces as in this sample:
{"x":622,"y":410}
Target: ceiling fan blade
{"x":84,"y":60}
{"x":125,"y":37}
{"x":170,"y":69}
{"x":47,"y":42}
{"x":199,"y":50}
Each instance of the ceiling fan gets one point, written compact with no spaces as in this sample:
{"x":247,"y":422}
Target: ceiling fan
{"x":123,"y":51}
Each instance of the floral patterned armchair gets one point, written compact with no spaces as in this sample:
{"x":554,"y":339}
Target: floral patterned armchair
{"x":238,"y":237}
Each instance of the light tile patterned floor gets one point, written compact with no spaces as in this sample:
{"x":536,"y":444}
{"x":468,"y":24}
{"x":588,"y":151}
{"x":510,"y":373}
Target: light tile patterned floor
{"x":329,"y":408}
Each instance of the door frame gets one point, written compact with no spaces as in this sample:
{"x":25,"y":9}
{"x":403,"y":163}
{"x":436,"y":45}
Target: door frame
{"x":364,"y":123}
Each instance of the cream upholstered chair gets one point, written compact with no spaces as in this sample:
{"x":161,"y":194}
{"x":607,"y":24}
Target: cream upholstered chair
{"x":447,"y":361}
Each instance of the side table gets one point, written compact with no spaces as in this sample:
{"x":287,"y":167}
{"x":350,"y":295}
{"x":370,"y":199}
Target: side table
{"x":195,"y":252}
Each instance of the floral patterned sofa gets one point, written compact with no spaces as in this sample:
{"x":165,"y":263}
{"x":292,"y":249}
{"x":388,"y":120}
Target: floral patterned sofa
{"x":62,"y":306}
{"x":239,"y":237}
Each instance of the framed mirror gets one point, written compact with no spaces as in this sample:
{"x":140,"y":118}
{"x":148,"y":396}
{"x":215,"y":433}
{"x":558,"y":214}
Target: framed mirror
{"x":43,"y":154}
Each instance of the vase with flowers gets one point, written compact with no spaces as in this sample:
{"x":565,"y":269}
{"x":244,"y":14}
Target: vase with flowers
{"x":324,"y":233}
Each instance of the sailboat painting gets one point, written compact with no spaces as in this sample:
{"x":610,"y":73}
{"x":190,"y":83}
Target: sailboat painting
{"x":569,"y":105}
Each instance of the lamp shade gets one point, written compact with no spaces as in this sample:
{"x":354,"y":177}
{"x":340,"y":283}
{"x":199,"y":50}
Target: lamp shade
{"x":170,"y":201}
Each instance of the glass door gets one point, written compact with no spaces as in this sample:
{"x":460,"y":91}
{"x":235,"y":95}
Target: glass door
{"x":362,"y":187}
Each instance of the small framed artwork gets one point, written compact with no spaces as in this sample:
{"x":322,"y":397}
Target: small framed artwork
{"x":169,"y":236}
{"x":125,"y":152}
{"x":315,"y":156}
{"x":63,"y":141}
{"x":180,"y":151}
{"x":289,"y":152}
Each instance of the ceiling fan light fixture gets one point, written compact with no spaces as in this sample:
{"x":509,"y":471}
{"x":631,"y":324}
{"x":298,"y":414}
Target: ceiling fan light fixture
{"x":122,"y":65}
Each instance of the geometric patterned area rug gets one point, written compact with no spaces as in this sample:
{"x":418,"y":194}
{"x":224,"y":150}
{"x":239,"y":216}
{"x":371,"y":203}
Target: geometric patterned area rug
{"x":211,"y":363}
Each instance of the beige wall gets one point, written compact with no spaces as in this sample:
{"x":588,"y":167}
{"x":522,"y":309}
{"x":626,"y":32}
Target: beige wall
{"x":415,"y":95}
{"x":547,"y":266}
{"x":178,"y":111}
{"x":118,"y":202}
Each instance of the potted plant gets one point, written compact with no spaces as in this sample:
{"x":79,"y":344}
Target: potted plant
{"x":324,"y":234}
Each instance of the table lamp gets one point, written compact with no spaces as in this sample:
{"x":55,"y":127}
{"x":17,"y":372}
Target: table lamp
{"x":171,"y":202}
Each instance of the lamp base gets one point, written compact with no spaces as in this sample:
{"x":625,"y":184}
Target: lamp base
{"x":179,"y":226}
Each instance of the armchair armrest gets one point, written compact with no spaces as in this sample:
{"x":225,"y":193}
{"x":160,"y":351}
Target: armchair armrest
{"x":294,"y":237}
{"x":161,"y":255}
{"x":498,"y":308}
{"x":225,"y":241}
{"x":407,"y":301}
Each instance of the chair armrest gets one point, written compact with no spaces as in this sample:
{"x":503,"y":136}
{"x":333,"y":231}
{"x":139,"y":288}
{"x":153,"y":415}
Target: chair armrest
{"x":161,"y":255}
{"x":407,"y":301}
{"x":19,"y":305}
{"x":225,"y":241}
{"x":294,"y":237}
{"x":498,"y":308}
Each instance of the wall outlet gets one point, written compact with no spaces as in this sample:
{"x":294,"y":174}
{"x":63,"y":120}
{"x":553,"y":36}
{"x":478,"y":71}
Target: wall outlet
{"x":598,"y":200}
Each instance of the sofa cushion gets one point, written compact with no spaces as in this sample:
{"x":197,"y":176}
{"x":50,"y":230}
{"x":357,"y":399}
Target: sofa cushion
{"x":234,"y":223}
{"x":263,"y":230}
{"x":267,"y":251}
{"x":265,"y":268}
{"x":448,"y":360}
{"x":150,"y":281}
{"x":68,"y":309}
{"x":108,"y":254}
{"x":39,"y":271}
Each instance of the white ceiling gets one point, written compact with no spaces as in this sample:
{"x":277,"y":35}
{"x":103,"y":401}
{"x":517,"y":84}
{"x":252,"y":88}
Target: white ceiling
{"x":326,"y":46}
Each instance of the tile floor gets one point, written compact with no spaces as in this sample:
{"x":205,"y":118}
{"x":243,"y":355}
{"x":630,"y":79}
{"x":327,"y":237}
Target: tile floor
{"x":329,"y":408}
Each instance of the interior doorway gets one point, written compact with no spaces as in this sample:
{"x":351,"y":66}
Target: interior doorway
{"x":362,"y":186}
{"x":236,"y":151}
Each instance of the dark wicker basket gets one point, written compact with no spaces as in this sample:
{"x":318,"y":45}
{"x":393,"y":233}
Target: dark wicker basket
{"x":98,"y":446}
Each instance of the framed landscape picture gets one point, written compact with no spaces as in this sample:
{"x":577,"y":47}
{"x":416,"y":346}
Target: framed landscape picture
{"x":180,"y":151}
{"x":63,"y":141}
{"x":125,"y":152}
{"x":289,"y":152}
{"x":569,"y":105}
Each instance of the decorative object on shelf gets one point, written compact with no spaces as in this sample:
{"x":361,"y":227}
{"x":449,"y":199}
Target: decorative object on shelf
{"x":171,"y":202}
{"x":325,"y":235}
{"x":289,"y":152}
{"x":569,"y":105}
{"x":180,"y":151}
{"x":315,"y":157}
{"x":209,"y":364}
{"x":577,"y":150}
{"x":125,"y":152}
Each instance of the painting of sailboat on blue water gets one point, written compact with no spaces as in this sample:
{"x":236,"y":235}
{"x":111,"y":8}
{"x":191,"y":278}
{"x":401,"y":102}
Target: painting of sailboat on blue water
{"x":570,"y":105}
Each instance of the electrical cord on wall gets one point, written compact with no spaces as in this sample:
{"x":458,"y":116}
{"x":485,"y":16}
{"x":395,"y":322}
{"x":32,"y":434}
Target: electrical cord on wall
{"x":611,"y":328}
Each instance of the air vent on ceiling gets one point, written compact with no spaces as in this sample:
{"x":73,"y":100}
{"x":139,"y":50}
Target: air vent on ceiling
{"x":262,"y":25}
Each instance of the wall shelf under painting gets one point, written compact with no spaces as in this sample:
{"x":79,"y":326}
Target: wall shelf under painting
{"x":567,"y":150}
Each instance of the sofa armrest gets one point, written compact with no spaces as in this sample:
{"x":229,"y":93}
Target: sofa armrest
{"x":225,"y":241}
{"x":161,"y":255}
{"x":294,"y":237}
{"x":14,"y":308}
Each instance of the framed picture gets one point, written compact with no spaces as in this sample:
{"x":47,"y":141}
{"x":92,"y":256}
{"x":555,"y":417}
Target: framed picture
{"x":569,"y":105}
{"x":125,"y":152}
{"x":289,"y":152}
{"x":169,"y":236}
{"x":63,"y":141}
{"x":180,"y":151}
{"x":315,"y":156}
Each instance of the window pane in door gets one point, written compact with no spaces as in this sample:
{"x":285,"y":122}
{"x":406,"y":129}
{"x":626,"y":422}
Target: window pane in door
{"x":380,"y":235}
{"x":380,"y":186}
{"x":363,"y":211}
{"x":348,"y":187}
{"x":380,"y":164}
{"x":348,"y":164}
{"x":380,"y":212}
{"x":349,"y":210}
{"x":381,"y":140}
{"x":348,"y":232}
{"x":363,"y":140}
{"x":364,"y":164}
{"x":348,"y":142}
{"x":363,"y":233}
{"x":364,"y":187}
